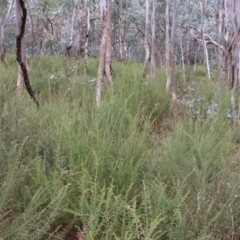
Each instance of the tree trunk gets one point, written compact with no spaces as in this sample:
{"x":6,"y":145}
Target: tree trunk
{"x":108,"y":59}
{"x":235,"y":20}
{"x":20,"y":81}
{"x":182,"y":57}
{"x":188,"y":43}
{"x":219,"y":27}
{"x":153,"y":47}
{"x":173,"y":61}
{"x":204,"y":45}
{"x":2,"y":39}
{"x":123,"y":53}
{"x":104,"y":67}
{"x":69,"y":47}
{"x":168,"y":82}
{"x":147,"y":44}
{"x":87,"y":37}
{"x":23,"y":80}
{"x":108,"y":62}
{"x":79,"y":50}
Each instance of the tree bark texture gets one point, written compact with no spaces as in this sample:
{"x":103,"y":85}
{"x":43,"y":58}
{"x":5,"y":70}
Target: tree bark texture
{"x":87,"y":6}
{"x":174,"y":60}
{"x":104,"y":68}
{"x":204,"y":45}
{"x":153,"y":41}
{"x":2,"y":34}
{"x":147,"y":42}
{"x":19,"y":20}
{"x":232,"y":49}
{"x":167,"y":41}
{"x":21,"y":56}
{"x":123,"y":52}
{"x":69,"y":47}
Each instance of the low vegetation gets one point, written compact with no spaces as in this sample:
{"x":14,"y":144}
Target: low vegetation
{"x":126,"y":170}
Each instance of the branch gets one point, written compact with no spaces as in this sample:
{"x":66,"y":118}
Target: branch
{"x":91,"y":20}
{"x":213,"y":42}
{"x":140,"y":29}
{"x":210,"y":40}
{"x":19,"y":52}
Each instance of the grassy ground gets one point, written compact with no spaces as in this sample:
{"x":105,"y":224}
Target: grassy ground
{"x":127,"y":170}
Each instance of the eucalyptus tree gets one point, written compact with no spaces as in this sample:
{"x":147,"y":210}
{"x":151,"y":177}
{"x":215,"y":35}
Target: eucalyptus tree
{"x":167,"y":42}
{"x":147,"y":40}
{"x":2,"y":34}
{"x":122,"y":47}
{"x":150,"y":40}
{"x":91,"y":12}
{"x":153,"y":41}
{"x":69,"y":46}
{"x":204,"y":45}
{"x":105,"y":58}
{"x":170,"y":53}
{"x":232,"y":50}
{"x":87,"y":10}
{"x":173,"y":58}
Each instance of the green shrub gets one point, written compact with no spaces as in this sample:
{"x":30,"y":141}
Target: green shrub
{"x":125,"y":170}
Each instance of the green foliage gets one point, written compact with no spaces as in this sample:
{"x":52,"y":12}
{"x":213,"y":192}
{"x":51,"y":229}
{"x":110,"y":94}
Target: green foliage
{"x":125,"y":170}
{"x":199,"y":157}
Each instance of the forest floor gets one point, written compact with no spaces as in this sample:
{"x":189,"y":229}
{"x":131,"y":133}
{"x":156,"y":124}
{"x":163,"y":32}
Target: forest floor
{"x":126,"y":170}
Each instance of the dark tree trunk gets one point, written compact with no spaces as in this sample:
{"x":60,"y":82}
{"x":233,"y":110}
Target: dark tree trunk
{"x":19,"y":52}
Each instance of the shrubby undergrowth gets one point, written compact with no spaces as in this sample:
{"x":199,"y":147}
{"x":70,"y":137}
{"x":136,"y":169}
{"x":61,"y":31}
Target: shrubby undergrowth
{"x":126,"y":170}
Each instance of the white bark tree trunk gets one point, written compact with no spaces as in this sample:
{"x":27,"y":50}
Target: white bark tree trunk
{"x":174,"y":60}
{"x":167,"y":41}
{"x":123,"y":52}
{"x":153,"y":47}
{"x":108,"y":58}
{"x":147,"y":42}
{"x":104,"y":67}
{"x":87,"y":6}
{"x":182,"y":57}
{"x":69,"y":46}
{"x":2,"y":34}
{"x":204,"y":45}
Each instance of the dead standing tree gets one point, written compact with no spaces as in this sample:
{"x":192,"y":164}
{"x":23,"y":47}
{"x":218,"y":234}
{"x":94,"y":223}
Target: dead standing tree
{"x":105,"y":58}
{"x":23,"y":80}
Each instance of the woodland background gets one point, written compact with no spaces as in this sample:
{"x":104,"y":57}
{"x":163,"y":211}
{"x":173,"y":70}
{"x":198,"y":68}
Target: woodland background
{"x":119,"y":119}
